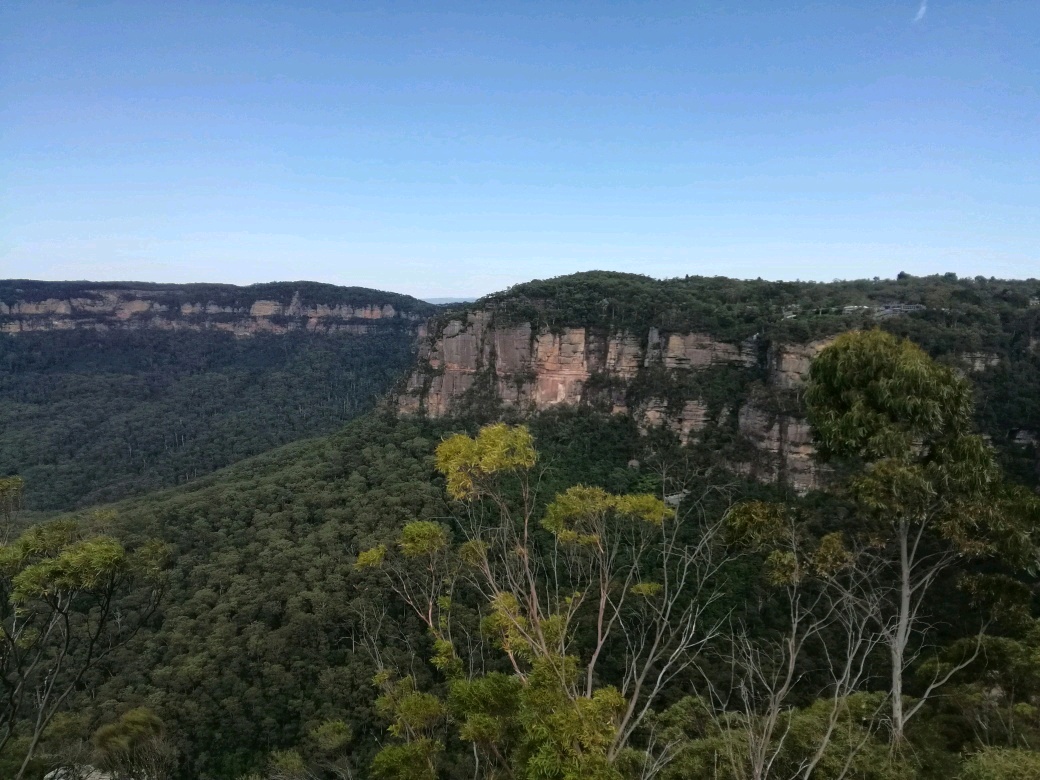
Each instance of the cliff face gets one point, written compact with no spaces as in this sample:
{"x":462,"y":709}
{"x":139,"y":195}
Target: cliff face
{"x":102,"y":309}
{"x":470,"y":359}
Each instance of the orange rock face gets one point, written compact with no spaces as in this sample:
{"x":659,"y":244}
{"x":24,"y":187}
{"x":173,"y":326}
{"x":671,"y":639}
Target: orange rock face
{"x":691,"y":419}
{"x":698,"y":350}
{"x":536,"y":370}
{"x":785,"y":448}
{"x":790,"y":363}
{"x":531,"y":370}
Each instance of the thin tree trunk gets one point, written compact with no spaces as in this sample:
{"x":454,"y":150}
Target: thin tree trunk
{"x":901,"y":636}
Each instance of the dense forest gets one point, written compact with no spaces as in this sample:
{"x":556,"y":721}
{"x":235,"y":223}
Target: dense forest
{"x":88,"y":416}
{"x":979,"y":313}
{"x":988,"y":328}
{"x":567,"y":598}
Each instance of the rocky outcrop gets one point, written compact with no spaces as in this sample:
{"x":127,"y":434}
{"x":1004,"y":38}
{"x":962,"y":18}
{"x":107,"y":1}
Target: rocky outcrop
{"x":697,"y":350}
{"x":692,"y":418}
{"x":532,"y":370}
{"x":789,"y":363}
{"x":470,"y":359}
{"x":128,"y":309}
{"x":784,"y":447}
{"x":526,"y":370}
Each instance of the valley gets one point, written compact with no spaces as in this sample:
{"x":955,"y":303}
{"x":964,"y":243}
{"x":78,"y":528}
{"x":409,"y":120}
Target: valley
{"x":304,"y":448}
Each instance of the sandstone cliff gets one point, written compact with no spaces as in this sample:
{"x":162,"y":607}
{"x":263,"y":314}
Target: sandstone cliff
{"x":470,"y":360}
{"x":58,"y":306}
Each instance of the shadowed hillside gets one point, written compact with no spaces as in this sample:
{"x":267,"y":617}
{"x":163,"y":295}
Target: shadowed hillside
{"x":113,"y":389}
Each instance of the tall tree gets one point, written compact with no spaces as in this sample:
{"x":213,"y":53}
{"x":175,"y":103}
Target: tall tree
{"x":595,"y":582}
{"x":927,"y":487}
{"x":135,"y":747}
{"x":808,"y":584}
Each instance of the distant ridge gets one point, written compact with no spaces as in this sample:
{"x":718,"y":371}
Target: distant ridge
{"x":445,"y":301}
{"x":110,"y":389}
{"x":276,"y":307}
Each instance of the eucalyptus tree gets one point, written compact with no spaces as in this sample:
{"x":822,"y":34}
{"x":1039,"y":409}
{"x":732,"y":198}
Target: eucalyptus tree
{"x":816,"y":647}
{"x":12,"y":490}
{"x":68,"y":599}
{"x":135,"y":747}
{"x":596,"y":604}
{"x":927,"y":489}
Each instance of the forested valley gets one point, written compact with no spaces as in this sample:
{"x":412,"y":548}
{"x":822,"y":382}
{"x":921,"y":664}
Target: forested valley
{"x":92,"y":410}
{"x":562,"y":594}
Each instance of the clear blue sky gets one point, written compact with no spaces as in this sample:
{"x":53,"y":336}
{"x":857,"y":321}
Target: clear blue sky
{"x":445,"y":148}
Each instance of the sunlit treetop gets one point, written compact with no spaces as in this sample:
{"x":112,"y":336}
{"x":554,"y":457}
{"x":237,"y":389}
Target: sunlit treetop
{"x":467,"y":462}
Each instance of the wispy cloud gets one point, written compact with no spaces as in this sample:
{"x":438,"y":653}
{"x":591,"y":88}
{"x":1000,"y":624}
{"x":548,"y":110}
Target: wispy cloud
{"x":921,"y":11}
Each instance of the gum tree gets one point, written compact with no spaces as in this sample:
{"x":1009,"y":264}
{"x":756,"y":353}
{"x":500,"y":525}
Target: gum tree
{"x":595,"y":581}
{"x":817,"y":645}
{"x":927,"y":488}
{"x":68,"y":599}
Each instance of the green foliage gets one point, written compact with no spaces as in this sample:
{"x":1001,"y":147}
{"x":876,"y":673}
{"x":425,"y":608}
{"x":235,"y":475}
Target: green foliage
{"x":884,"y":403}
{"x":757,"y":525}
{"x":720,"y":749}
{"x":560,"y":737}
{"x":288,"y":763}
{"x":487,"y":708}
{"x":927,"y":489}
{"x":423,"y":538}
{"x":782,"y":567}
{"x":265,"y":599}
{"x":990,"y":319}
{"x":647,"y":589}
{"x":268,"y":610}
{"x":551,"y":719}
{"x":133,"y":747}
{"x":83,"y":565}
{"x":874,"y":396}
{"x":371,"y":558}
{"x":68,"y":598}
{"x":332,"y":736}
{"x":467,"y":462}
{"x":831,"y":556}
{"x":411,"y":712}
{"x":574,"y":515}
{"x":1002,"y":764}
{"x":407,"y":761}
{"x":11,"y":491}
{"x":87,"y":417}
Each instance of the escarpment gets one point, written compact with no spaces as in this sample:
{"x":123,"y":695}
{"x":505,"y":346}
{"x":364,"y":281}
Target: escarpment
{"x":689,"y":383}
{"x":114,"y":389}
{"x":27,"y":307}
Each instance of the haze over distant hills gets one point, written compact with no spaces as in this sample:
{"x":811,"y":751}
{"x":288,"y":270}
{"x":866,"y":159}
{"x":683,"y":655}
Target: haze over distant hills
{"x":442,"y":301}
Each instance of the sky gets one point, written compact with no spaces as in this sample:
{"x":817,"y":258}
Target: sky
{"x":453,"y":149}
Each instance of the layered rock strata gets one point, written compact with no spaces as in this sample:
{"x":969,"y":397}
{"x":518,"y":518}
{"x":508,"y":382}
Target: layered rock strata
{"x":127,"y":309}
{"x":528,"y":369}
